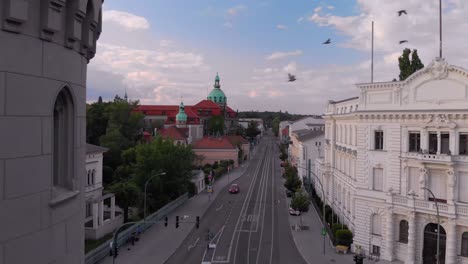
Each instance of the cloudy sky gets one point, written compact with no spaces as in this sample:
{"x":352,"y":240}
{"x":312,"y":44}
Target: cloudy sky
{"x":161,"y":51}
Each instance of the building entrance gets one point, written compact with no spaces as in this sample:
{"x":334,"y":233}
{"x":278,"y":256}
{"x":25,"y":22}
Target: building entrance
{"x":430,"y":244}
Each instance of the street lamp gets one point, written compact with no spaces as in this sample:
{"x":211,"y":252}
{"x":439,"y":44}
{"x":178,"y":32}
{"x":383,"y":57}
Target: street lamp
{"x":146,"y":185}
{"x":438,"y":221}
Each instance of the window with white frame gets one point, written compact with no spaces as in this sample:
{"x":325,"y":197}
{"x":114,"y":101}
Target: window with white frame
{"x":378,"y":140}
{"x":438,"y":185}
{"x":463,"y":144}
{"x":414,"y":141}
{"x":376,"y":226}
{"x":377,"y":179}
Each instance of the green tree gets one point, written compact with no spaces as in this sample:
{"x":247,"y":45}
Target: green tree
{"x":275,"y":126}
{"x":344,"y":237}
{"x":216,"y":125}
{"x":252,"y":130}
{"x":407,"y":66}
{"x":127,"y":194}
{"x":416,"y":63}
{"x":293,"y":182}
{"x":96,"y":121}
{"x":300,"y":202}
{"x":163,"y":156}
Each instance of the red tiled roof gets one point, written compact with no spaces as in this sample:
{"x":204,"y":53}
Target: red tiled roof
{"x":285,"y":131}
{"x":213,"y":143}
{"x":237,"y":139}
{"x":174,"y":133}
{"x":207,"y":104}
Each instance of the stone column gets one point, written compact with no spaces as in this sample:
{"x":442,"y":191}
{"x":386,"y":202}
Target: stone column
{"x":112,"y":207}
{"x":451,"y":255}
{"x":438,"y":143}
{"x":389,"y":239}
{"x":410,"y":257}
{"x":95,"y":215}
{"x":101,"y":212}
{"x":451,"y":183}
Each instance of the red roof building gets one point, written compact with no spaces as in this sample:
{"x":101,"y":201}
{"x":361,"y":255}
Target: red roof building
{"x":211,"y":149}
{"x":175,"y":133}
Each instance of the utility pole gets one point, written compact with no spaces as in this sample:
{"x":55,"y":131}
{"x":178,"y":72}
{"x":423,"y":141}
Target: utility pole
{"x":372,"y":54}
{"x":440,"y":28}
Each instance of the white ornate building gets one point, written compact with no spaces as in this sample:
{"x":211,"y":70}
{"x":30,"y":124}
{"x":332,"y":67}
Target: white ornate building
{"x":102,"y":216}
{"x":384,"y":147}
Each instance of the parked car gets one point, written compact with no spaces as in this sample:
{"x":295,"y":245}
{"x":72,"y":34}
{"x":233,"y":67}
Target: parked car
{"x":294,"y":212}
{"x":234,"y":188}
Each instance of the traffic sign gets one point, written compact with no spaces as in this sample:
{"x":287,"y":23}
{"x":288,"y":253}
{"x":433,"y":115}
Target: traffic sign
{"x":210,"y":188}
{"x":324,"y":232}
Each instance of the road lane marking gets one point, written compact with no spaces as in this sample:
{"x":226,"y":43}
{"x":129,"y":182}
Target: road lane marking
{"x":194,"y":244}
{"x":219,"y":208}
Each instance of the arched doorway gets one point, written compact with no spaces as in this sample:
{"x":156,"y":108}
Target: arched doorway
{"x":430,"y":244}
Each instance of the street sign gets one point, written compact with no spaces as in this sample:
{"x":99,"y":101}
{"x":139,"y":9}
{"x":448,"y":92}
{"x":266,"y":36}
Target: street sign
{"x":324,"y":232}
{"x":210,"y":189}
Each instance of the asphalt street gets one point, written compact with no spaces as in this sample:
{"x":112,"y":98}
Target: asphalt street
{"x":249,"y":227}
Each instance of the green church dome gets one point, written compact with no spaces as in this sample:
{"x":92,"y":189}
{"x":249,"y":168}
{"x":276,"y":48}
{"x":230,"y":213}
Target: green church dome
{"x":217,"y":95}
{"x":181,"y":116}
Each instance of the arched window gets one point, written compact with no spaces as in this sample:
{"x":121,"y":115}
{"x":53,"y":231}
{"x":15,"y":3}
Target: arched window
{"x":403,"y":237}
{"x":464,"y":245}
{"x":93,"y":177}
{"x":63,"y":147}
{"x":376,"y":225}
{"x":89,"y":178}
{"x":89,"y":28}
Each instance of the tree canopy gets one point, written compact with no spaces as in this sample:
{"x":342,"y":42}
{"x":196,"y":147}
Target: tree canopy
{"x":407,"y":66}
{"x":252,"y":130}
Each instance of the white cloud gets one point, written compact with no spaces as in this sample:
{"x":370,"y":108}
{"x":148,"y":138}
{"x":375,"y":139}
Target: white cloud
{"x":128,"y":21}
{"x":165,"y":43}
{"x":330,"y":7}
{"x":317,"y":9}
{"x":300,"y":20}
{"x":281,"y":55}
{"x":281,"y":27}
{"x":291,"y":67}
{"x":234,"y":11}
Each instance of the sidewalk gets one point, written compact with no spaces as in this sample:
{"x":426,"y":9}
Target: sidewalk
{"x":310,"y":242}
{"x":158,"y":243}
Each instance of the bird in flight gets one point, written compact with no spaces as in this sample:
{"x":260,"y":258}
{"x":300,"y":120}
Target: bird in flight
{"x":291,"y":77}
{"x":403,"y":41}
{"x":401,"y":12}
{"x":327,"y":42}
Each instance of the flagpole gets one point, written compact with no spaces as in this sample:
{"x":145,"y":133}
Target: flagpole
{"x":440,"y":28}
{"x":372,"y":54}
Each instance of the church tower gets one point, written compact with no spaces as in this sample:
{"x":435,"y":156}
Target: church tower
{"x":217,"y":95}
{"x":181,"y":117}
{"x":45,"y":48}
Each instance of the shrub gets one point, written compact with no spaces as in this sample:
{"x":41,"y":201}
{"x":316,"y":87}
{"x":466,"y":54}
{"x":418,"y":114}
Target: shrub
{"x":344,"y":237}
{"x":336,"y":227}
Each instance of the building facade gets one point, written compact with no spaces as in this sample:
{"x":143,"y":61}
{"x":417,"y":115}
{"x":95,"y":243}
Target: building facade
{"x":309,"y":147}
{"x":386,"y":149}
{"x":102,"y":216}
{"x":45,"y":48}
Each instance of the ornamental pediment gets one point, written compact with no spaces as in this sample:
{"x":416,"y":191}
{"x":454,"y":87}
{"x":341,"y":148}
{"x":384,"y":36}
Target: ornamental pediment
{"x":439,"y":121}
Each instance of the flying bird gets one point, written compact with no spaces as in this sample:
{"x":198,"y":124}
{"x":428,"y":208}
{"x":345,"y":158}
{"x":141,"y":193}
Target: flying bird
{"x":402,"y":12}
{"x":403,"y":41}
{"x":327,"y":42}
{"x":291,"y":77}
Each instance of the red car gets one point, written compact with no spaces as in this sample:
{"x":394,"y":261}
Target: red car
{"x":234,"y":188}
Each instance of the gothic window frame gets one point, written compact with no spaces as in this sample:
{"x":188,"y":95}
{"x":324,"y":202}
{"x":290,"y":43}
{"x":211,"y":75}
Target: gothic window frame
{"x":63,"y":147}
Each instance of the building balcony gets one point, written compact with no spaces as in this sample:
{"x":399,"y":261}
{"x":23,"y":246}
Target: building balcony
{"x":423,"y":206}
{"x":436,"y":158}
